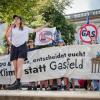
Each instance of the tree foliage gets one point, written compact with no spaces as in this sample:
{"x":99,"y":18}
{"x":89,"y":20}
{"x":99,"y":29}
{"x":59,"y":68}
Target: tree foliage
{"x":8,"y":8}
{"x":53,"y":13}
{"x":38,"y":12}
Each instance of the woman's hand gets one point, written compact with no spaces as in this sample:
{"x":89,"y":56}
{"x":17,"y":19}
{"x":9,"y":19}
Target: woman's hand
{"x":39,"y":28}
{"x":9,"y":43}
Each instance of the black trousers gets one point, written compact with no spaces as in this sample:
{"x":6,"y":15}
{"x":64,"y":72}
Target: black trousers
{"x":18,"y":52}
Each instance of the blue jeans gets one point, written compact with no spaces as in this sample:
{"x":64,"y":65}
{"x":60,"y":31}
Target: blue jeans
{"x":96,"y":85}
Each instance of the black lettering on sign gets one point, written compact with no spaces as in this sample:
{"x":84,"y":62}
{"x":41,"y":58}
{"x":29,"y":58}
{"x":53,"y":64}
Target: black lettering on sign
{"x":53,"y":65}
{"x":84,"y":33}
{"x":5,"y":72}
{"x":66,"y":65}
{"x":40,"y":68}
{"x":2,"y":64}
{"x":93,"y":34}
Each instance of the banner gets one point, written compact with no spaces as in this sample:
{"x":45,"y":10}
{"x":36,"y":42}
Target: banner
{"x":74,"y":61}
{"x":45,"y":36}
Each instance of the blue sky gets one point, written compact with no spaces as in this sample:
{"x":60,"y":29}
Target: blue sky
{"x":83,"y":5}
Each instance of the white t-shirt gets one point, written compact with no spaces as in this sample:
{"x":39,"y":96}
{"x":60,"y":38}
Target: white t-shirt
{"x":19,"y":37}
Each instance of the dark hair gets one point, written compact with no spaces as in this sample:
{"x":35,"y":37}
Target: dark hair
{"x":21,"y":23}
{"x":20,"y":17}
{"x":14,"y":16}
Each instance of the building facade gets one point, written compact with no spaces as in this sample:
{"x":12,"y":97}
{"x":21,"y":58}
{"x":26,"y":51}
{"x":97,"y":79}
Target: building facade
{"x":79,"y":19}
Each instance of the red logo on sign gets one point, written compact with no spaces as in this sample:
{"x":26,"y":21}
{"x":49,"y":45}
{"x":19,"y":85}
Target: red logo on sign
{"x":87,"y":32}
{"x":45,"y":36}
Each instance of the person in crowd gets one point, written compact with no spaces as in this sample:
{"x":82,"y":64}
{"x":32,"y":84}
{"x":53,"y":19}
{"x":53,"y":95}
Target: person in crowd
{"x":17,"y":36}
{"x":31,"y":47}
{"x":84,"y":83}
{"x":66,"y":80}
{"x":95,"y":83}
{"x":44,"y":84}
{"x":92,"y":84}
{"x":2,"y":87}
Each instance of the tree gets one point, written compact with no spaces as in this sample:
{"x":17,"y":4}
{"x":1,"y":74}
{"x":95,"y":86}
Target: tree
{"x":8,"y":8}
{"x":56,"y":18}
{"x":52,"y":11}
{"x":38,"y":12}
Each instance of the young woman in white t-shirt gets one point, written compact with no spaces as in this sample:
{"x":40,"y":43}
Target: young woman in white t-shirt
{"x":17,"y":36}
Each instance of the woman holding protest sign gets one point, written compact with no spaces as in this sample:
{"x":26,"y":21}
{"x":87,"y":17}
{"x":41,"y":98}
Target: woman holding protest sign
{"x":17,"y":36}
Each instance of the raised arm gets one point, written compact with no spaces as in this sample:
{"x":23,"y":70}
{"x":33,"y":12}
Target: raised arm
{"x":39,"y":28}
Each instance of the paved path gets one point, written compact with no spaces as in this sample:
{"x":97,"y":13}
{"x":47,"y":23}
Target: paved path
{"x":49,"y":95}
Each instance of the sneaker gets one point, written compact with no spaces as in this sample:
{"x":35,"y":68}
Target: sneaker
{"x":29,"y":88}
{"x":35,"y":88}
{"x":59,"y":87}
{"x":65,"y":88}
